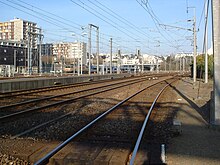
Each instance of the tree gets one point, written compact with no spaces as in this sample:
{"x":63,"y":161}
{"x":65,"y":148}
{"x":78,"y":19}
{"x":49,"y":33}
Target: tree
{"x":201,"y":66}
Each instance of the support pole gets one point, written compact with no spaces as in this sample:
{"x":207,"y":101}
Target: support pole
{"x":29,"y":52}
{"x":74,"y":62}
{"x":183,"y":64}
{"x":119,"y":62}
{"x":14,"y":61}
{"x":206,"y":42}
{"x":40,"y":60}
{"x":89,"y":48}
{"x":78,"y":62}
{"x":97,"y":47}
{"x":110,"y":55}
{"x":194,"y":47}
{"x":215,"y":116}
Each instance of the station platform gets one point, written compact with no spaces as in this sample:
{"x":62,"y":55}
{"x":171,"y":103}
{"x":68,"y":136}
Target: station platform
{"x":22,"y":83}
{"x":199,"y":142}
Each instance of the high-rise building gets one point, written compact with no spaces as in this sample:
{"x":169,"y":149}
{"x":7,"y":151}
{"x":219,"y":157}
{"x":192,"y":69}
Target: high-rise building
{"x":18,"y":44}
{"x":19,"y":30}
{"x":70,"y":51}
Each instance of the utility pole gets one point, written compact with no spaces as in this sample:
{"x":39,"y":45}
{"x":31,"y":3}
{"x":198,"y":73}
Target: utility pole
{"x":78,"y":68}
{"x":81,"y":48}
{"x":74,"y":61}
{"x":97,"y":47}
{"x":215,"y":113}
{"x":89,"y":48}
{"x":170,"y":64}
{"x":119,"y":62}
{"x":142,"y":64}
{"x":110,"y":55}
{"x":183,"y":64}
{"x":206,"y":42}
{"x":40,"y":61}
{"x":195,"y":47}
{"x":29,"y":51}
{"x":15,"y":61}
{"x":165,"y":64}
{"x":157,"y":65}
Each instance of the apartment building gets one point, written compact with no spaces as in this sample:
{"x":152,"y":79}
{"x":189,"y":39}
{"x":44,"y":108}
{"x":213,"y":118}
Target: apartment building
{"x":19,"y":30}
{"x":15,"y":35}
{"x":70,"y":51}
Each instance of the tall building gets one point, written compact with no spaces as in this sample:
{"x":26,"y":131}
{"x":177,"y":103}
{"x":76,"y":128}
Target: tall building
{"x":78,"y":50}
{"x":19,"y":30}
{"x":15,"y":36}
{"x":70,"y":51}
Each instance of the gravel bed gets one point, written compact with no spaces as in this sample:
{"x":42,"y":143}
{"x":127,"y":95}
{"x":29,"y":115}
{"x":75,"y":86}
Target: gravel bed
{"x":83,"y":111}
{"x":10,"y":160}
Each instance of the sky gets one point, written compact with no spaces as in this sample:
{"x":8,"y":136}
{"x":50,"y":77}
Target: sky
{"x":156,"y":27}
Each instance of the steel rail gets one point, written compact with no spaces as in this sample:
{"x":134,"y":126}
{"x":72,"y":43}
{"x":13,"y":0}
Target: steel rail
{"x":41,"y":125}
{"x":134,"y":153}
{"x":61,"y":95}
{"x":64,"y":101}
{"x":44,"y":89}
{"x":46,"y":158}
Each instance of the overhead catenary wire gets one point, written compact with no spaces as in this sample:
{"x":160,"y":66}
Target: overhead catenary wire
{"x":118,"y":17}
{"x":13,"y":5}
{"x":100,"y":16}
{"x":156,"y":21}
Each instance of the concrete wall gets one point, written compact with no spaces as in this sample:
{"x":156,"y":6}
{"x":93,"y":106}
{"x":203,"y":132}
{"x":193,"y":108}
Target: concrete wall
{"x":30,"y":83}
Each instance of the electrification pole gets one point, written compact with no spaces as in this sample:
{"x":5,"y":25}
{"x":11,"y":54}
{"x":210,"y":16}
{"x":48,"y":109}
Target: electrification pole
{"x":15,"y":62}
{"x":119,"y":62}
{"x":183,"y":64}
{"x":29,"y":51}
{"x":194,"y":47}
{"x":215,"y":113}
{"x":89,"y":47}
{"x":40,"y":61}
{"x":97,"y":47}
{"x":110,"y":55}
{"x":74,"y":62}
{"x":78,"y":62}
{"x":206,"y":43}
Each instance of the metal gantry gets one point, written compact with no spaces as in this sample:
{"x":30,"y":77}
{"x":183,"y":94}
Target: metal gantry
{"x":90,"y":44}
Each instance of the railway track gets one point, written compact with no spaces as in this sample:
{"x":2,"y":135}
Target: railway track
{"x":50,"y":108}
{"x":59,"y":87}
{"x":60,"y":124}
{"x":115,"y":114}
{"x":61,"y":98}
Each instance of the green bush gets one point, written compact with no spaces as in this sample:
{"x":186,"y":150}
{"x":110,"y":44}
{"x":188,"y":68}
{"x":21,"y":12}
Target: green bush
{"x":200,"y":61}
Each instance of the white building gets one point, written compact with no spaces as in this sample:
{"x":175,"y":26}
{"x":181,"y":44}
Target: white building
{"x":180,"y":55}
{"x":70,"y":51}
